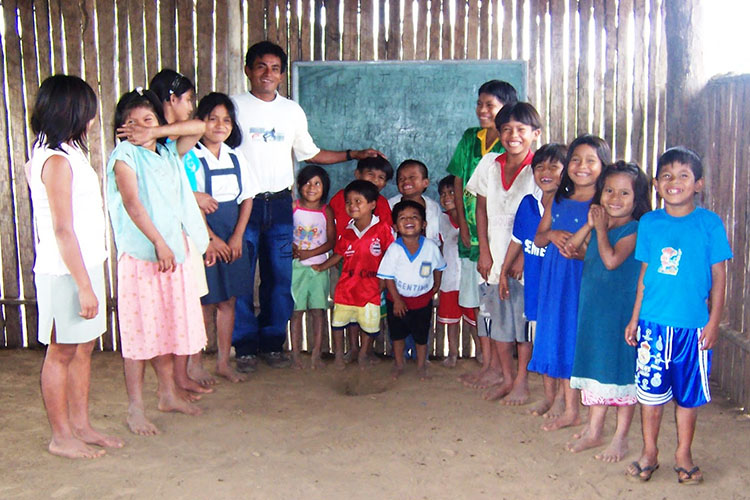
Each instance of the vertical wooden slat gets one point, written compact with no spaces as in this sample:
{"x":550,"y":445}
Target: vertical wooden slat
{"x":123,"y":50}
{"x":743,"y":187}
{"x":624,"y":72}
{"x":152,"y":38}
{"x":56,"y":36}
{"x":610,"y":16}
{"x":295,"y":50}
{"x":584,"y":110}
{"x":572,"y":71}
{"x":485,"y":51}
{"x":407,"y":37}
{"x":423,"y":35}
{"x":305,"y":30}
{"x":11,"y":314}
{"x":350,"y":35}
{"x":520,"y":30}
{"x":137,"y":41}
{"x":318,"y":31}
{"x":282,"y":36}
{"x":393,"y":45}
{"x":185,"y":47}
{"x":473,"y":25}
{"x":72,"y":27}
{"x":167,"y":34}
{"x":446,"y":31}
{"x":333,"y":43}
{"x":381,"y":34}
{"x":661,"y":78}
{"x":272,"y":21}
{"x":557,"y":89}
{"x":652,"y":109}
{"x":435,"y":29}
{"x":495,"y":35}
{"x":222,"y":49}
{"x":598,"y":93}
{"x":640,"y":63}
{"x":543,"y":45}
{"x":204,"y":18}
{"x":459,"y":31}
{"x":31,"y":77}
{"x":42,"y":36}
{"x":533,"y":78}
{"x":366,"y":40}
{"x":507,"y":40}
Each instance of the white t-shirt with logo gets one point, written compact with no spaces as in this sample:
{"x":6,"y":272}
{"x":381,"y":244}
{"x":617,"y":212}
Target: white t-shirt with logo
{"x":412,"y":274}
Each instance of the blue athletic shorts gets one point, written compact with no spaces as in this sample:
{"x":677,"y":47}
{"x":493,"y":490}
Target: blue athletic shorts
{"x":671,"y":365}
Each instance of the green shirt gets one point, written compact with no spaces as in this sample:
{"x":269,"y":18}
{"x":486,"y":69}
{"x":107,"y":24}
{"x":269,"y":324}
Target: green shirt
{"x":465,"y":159}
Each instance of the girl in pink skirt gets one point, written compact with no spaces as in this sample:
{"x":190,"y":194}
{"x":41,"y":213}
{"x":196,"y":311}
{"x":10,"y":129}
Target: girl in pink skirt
{"x":152,"y":209}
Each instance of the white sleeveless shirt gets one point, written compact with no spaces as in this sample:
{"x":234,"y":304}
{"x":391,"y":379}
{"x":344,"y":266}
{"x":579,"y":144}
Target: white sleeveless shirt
{"x":88,"y":211}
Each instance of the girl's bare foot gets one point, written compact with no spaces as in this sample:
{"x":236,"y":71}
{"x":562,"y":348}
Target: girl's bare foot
{"x":296,"y":363}
{"x":89,"y":435}
{"x":496,"y":392}
{"x":615,"y":452}
{"x":540,"y":408}
{"x":339,"y":363}
{"x":471,"y":377}
{"x":73,"y":448}
{"x":450,"y":361}
{"x":422,"y":373}
{"x":556,"y":409}
{"x":199,"y":374}
{"x":486,"y":380}
{"x":583,"y":441}
{"x":193,"y":386}
{"x":171,"y":402}
{"x":317,"y":363}
{"x":518,"y":396}
{"x":564,"y":420}
{"x":230,"y":373}
{"x":397,"y":371}
{"x":186,"y":395}
{"x":351,"y":356}
{"x":139,"y":424}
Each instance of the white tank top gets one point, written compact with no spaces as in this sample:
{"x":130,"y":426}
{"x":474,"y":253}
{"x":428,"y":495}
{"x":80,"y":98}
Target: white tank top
{"x":88,"y":211}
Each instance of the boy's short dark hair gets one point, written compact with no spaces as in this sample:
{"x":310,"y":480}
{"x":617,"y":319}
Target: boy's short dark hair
{"x":308,"y":173}
{"x":403,"y":205}
{"x":521,"y":112}
{"x":503,"y":91}
{"x":214,"y":99}
{"x":552,"y":152}
{"x":681,"y":154}
{"x":376,"y":163}
{"x":366,"y":188}
{"x":422,"y":167}
{"x":446,"y":182}
{"x":260,"y":49}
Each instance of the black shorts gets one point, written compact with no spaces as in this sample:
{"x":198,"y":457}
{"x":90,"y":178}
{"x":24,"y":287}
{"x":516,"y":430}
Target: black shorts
{"x":415,"y":322}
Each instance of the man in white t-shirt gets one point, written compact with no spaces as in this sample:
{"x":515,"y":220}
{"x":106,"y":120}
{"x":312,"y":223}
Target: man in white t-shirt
{"x":273,"y":127}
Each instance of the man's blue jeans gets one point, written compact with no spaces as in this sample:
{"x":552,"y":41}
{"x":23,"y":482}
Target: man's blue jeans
{"x":269,"y":238}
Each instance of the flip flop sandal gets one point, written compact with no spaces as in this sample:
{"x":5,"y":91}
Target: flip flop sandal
{"x":689,"y":480}
{"x":636,"y":475}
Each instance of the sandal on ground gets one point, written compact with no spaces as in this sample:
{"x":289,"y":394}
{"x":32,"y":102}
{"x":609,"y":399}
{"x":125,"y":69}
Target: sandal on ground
{"x":692,"y":476}
{"x":637,"y":474}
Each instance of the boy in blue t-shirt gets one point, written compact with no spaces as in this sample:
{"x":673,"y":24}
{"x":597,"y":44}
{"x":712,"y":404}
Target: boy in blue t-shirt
{"x":547,"y":166}
{"x":677,"y":309}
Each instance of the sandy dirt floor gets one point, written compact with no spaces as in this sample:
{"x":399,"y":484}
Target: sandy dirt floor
{"x":328,"y":435}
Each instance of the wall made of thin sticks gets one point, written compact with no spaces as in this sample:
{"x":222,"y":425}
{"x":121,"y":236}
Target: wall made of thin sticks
{"x":594,"y":66}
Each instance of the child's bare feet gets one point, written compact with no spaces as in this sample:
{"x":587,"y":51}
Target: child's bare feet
{"x":186,"y":395}
{"x":229,"y":373}
{"x":540,"y":408}
{"x":564,"y":420}
{"x":470,"y":378}
{"x":316,"y":363}
{"x":497,"y":391}
{"x":479,"y":358}
{"x":172,"y":402}
{"x":89,"y":435}
{"x":519,"y":395}
{"x":296,"y":362}
{"x":422,"y":373}
{"x":339,"y":362}
{"x":397,"y":371}
{"x":615,"y":452}
{"x":351,"y":356}
{"x":583,"y":441}
{"x":553,"y":410}
{"x":486,"y":380}
{"x":73,"y":448}
{"x":193,"y":386}
{"x":199,"y":374}
{"x":450,"y":361}
{"x":139,"y":424}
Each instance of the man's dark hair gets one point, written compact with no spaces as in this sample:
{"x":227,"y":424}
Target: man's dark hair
{"x":260,"y":49}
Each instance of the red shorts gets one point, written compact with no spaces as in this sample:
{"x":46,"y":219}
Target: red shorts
{"x":449,"y":312}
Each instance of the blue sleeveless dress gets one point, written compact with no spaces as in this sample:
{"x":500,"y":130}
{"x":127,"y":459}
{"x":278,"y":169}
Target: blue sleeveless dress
{"x":559,"y":284}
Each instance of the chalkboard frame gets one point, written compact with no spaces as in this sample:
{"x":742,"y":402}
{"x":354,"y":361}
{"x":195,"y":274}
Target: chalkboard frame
{"x":341,"y":173}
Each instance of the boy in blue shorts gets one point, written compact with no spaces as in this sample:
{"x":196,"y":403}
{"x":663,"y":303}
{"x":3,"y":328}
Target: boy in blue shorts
{"x":411,"y":269}
{"x":677,"y":309}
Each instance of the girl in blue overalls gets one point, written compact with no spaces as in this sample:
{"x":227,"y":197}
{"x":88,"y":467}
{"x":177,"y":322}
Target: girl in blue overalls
{"x":225,"y":176}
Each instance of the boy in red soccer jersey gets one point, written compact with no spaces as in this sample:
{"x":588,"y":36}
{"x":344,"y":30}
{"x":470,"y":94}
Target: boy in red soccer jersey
{"x":361,"y":246}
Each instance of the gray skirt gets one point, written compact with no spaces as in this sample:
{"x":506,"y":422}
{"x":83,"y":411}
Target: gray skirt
{"x":57,"y":302}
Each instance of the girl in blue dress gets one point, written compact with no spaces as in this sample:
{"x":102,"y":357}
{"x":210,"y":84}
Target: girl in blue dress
{"x":560,"y":279}
{"x":604,"y":363}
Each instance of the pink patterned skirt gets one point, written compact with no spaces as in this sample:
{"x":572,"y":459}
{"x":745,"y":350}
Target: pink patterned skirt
{"x":159,"y":313}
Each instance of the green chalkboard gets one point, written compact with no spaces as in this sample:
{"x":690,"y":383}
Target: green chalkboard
{"x":414,"y":109}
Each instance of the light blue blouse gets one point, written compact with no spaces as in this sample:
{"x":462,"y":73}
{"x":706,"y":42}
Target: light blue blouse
{"x":164,"y":191}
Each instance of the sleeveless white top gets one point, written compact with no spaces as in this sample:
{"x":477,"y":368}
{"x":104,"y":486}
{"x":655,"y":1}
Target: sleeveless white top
{"x":88,"y":211}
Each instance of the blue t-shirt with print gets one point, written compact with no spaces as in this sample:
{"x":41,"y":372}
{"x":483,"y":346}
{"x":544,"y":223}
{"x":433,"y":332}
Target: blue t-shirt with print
{"x":525,"y":224}
{"x":679,"y":252}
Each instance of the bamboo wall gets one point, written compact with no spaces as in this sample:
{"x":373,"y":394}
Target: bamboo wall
{"x":594,"y":66}
{"x":727,"y":106}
